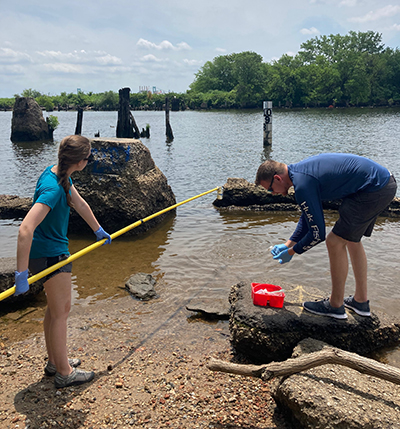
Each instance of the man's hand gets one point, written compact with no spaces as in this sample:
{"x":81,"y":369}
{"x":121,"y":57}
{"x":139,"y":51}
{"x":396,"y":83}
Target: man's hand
{"x":100,"y":234}
{"x":278,"y":248}
{"x":21,"y":282}
{"x":283,"y":257}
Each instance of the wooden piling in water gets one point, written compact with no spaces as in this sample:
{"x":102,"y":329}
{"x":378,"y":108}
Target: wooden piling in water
{"x":126,"y":125}
{"x":168,"y":129}
{"x":79,"y":120}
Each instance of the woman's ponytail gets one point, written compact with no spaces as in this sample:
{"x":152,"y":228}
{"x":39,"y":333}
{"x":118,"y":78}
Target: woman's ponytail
{"x":72,"y":149}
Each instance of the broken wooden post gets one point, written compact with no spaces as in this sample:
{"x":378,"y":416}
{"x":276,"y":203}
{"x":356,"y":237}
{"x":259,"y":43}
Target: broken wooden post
{"x":79,"y":120}
{"x":168,"y":129}
{"x":267,"y":107}
{"x":124,"y":128}
{"x":136,"y":132}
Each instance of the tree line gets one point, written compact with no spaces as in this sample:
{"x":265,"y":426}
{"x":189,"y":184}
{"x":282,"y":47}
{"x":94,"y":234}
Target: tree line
{"x":351,"y":70}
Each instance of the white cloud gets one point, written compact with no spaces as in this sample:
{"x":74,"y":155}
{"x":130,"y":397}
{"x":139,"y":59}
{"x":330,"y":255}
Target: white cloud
{"x":81,"y":57}
{"x":310,"y":31}
{"x":193,"y":62}
{"x":151,"y":58}
{"x":9,"y":55}
{"x":348,"y":3}
{"x":108,"y":59}
{"x":68,"y":68}
{"x":59,"y":56}
{"x":221,"y":50}
{"x":385,"y":12}
{"x":15,"y":69}
{"x":63,"y":68}
{"x":183,"y":46}
{"x":164,"y":45}
{"x":395,"y":27}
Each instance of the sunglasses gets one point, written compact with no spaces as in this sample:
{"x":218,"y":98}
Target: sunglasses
{"x":272,"y":181}
{"x":89,"y":158}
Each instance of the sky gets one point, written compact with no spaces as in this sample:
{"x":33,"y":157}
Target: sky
{"x":101,"y":45}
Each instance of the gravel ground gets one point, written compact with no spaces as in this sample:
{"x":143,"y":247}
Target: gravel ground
{"x":150,"y":372}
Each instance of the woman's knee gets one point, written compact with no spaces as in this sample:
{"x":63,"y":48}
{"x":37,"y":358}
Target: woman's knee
{"x":58,"y":292}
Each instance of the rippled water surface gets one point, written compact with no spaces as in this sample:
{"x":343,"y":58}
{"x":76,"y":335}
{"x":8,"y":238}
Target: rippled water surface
{"x":201,"y":251}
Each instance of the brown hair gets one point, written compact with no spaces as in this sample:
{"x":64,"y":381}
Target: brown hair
{"x":268,"y":169}
{"x":72,"y":150}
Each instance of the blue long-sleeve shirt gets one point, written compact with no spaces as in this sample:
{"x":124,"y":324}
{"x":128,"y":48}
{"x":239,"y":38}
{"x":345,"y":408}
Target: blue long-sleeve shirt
{"x":326,"y":177}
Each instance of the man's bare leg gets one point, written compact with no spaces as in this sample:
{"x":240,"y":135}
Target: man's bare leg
{"x":339,"y":264}
{"x":359,"y":264}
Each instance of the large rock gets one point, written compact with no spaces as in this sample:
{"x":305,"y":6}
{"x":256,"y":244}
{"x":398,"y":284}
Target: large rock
{"x":335,"y":396}
{"x":14,"y":207}
{"x":265,"y":334}
{"x":28,"y":123}
{"x":122,"y":185}
{"x":241,"y":194}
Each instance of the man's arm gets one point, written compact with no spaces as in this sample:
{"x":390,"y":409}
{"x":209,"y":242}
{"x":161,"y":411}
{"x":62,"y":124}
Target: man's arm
{"x":309,"y":199}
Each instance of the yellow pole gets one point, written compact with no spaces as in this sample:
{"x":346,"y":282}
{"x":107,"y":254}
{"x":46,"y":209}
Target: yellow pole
{"x":93,"y":246}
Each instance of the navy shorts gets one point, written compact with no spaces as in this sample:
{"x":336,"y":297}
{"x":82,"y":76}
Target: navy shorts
{"x":358,"y":212}
{"x":39,"y":264}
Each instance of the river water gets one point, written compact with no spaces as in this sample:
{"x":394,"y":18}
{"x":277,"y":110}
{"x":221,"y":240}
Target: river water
{"x":201,"y":252}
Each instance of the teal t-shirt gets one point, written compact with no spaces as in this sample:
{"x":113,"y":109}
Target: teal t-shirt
{"x":50,"y":237}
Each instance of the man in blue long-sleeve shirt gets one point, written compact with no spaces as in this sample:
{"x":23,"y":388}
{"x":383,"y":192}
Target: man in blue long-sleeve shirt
{"x":365,"y":188}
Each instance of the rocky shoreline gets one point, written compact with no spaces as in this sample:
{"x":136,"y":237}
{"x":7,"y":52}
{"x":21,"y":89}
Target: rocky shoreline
{"x":149,"y":373}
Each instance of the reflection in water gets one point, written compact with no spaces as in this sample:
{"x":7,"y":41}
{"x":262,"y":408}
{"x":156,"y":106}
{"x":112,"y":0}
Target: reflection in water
{"x":29,"y":161}
{"x":102,"y":273}
{"x":266,"y":154}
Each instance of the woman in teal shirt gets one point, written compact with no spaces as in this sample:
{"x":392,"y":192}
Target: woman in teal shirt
{"x":42,"y":242}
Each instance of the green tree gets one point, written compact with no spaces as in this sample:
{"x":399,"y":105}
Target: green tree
{"x":242,"y":72}
{"x":283,"y":85}
{"x":357,"y":88}
{"x":109,"y":100}
{"x":30,"y":93}
{"x":46,"y":102}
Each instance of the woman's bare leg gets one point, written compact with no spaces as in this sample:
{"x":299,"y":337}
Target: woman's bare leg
{"x":58,"y":292}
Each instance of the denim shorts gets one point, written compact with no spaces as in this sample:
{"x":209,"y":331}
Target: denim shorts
{"x":37,"y":265}
{"x":358,"y":212}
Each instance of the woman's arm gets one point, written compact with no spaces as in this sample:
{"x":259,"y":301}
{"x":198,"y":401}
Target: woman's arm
{"x":83,"y":209}
{"x":25,"y":234}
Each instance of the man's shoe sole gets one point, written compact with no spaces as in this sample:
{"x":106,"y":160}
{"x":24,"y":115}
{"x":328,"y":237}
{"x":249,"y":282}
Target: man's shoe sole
{"x":356,"y":310}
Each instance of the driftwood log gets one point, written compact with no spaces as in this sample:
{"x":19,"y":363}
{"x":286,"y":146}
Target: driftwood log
{"x":328,"y":355}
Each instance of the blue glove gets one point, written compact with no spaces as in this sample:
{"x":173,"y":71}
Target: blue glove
{"x":283,"y":257}
{"x":100,"y":234}
{"x":278,"y":248}
{"x":21,"y":282}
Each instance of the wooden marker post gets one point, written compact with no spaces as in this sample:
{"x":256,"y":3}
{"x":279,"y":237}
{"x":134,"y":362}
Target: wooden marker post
{"x":267,"y":107}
